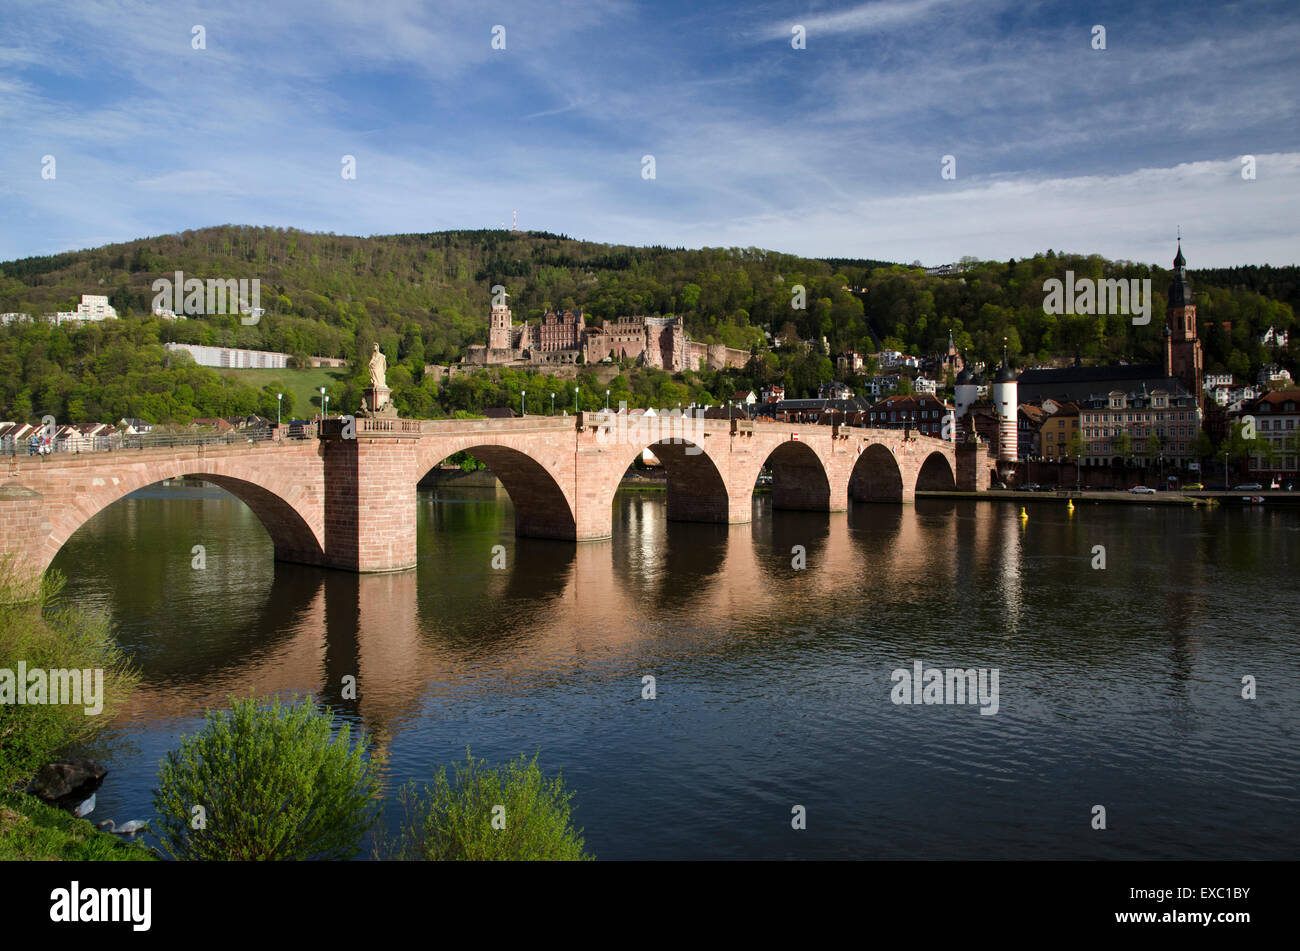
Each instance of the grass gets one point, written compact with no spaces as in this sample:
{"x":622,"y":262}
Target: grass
{"x":30,"y":830}
{"x":303,"y":384}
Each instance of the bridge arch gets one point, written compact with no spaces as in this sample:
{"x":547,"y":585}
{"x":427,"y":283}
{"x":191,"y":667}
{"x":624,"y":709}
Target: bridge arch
{"x":542,"y":507}
{"x":876,"y":476}
{"x":697,"y":491}
{"x":936,"y":474}
{"x":63,"y":498}
{"x":799,"y":478}
{"x":697,"y":488}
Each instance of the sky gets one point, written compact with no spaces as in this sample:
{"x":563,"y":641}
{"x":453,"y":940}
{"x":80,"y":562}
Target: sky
{"x":836,"y":149}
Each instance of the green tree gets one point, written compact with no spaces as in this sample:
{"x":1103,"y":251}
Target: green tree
{"x":274,"y":782}
{"x":1202,"y":445}
{"x":510,"y":813}
{"x":1154,"y":447}
{"x":43,"y":632}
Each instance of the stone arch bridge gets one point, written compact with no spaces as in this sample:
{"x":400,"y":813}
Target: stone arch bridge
{"x":348,"y":499}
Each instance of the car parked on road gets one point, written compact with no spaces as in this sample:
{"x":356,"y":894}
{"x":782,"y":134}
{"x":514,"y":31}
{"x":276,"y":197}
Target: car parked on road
{"x":1247,"y":485}
{"x":1142,"y":490}
{"x":1193,"y":487}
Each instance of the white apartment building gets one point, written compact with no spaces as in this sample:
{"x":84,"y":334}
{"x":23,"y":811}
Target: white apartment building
{"x":93,"y":307}
{"x":96,"y":307}
{"x":896,"y":358}
{"x":232,"y":358}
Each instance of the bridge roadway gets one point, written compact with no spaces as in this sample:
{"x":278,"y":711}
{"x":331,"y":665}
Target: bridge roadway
{"x":348,"y":498}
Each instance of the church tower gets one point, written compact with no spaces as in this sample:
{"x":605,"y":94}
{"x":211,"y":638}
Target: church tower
{"x":1183,"y":356}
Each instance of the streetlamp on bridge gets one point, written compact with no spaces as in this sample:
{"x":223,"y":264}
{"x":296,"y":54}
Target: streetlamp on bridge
{"x":607,"y":401}
{"x":552,"y":404}
{"x":522,"y":410}
{"x":278,"y":398}
{"x":575,"y":399}
{"x":324,"y":404}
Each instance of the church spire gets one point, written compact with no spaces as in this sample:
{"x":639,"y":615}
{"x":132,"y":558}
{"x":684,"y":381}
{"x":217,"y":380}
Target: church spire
{"x":1180,"y":288}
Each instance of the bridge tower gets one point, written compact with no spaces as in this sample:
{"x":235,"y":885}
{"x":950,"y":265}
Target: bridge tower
{"x":1006,"y":402}
{"x":964,"y":395}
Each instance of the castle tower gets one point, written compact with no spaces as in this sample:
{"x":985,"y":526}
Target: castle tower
{"x":1183,"y":356}
{"x":499,"y":326}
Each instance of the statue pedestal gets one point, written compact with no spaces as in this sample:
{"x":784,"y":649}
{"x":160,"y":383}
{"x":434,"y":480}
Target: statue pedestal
{"x":375,"y":402}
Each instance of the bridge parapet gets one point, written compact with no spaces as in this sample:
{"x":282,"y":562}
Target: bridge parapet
{"x":337,"y":426}
{"x":525,"y":424}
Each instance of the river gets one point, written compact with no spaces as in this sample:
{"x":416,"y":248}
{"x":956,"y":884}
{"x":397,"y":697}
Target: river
{"x":1118,"y":686}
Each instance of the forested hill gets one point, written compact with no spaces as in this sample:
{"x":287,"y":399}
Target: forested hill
{"x":425,"y":298}
{"x":432,"y":292}
{"x":321,"y":290}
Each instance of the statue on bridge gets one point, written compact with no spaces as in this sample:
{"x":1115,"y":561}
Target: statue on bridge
{"x":378,"y":366}
{"x":375,"y":397}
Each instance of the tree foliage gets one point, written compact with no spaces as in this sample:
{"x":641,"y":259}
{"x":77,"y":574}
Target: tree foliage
{"x":47,"y":634}
{"x":425,"y":297}
{"x":483,"y":813}
{"x":273,"y":782}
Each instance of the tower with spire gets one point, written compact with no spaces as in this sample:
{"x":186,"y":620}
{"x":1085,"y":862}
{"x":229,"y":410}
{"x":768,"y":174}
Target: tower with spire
{"x":1183,"y":356}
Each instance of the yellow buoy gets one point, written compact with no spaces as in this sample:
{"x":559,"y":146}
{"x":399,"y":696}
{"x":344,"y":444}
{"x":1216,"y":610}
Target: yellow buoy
{"x":1069,"y":506}
{"x":1024,"y":516}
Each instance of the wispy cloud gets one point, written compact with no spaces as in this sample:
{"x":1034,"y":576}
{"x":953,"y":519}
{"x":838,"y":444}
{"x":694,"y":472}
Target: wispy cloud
{"x":831,"y":150}
{"x":870,"y":17}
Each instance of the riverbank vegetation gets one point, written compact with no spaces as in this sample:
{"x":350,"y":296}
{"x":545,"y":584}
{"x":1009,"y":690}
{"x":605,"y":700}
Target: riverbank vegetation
{"x":280,"y":782}
{"x":42,"y":633}
{"x":485,"y":813}
{"x":267,"y":783}
{"x":31,"y":831}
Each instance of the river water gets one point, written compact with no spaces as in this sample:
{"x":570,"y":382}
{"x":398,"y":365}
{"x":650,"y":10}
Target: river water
{"x":1118,"y":687}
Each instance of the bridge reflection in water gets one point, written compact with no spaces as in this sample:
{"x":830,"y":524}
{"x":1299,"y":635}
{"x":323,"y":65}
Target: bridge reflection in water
{"x":248,"y":624}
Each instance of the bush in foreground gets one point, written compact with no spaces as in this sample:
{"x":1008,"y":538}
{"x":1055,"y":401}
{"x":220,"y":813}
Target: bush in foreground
{"x":41,"y":633}
{"x":273,"y":783}
{"x":510,"y":813}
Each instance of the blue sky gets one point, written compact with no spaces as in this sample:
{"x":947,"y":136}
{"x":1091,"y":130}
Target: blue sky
{"x":833,"y":150}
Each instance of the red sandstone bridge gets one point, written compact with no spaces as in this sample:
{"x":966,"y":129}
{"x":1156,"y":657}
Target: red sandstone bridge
{"x":348,"y":499}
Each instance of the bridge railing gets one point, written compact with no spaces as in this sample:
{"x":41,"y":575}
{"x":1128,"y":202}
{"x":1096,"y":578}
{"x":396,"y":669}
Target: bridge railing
{"x":118,"y":441}
{"x":361,"y":425}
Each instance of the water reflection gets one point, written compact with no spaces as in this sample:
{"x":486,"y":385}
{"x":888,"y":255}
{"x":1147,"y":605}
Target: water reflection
{"x":774,"y":680}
